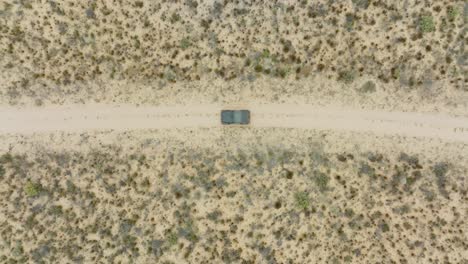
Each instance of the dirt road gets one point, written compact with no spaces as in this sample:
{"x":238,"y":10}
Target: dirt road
{"x":123,"y":118}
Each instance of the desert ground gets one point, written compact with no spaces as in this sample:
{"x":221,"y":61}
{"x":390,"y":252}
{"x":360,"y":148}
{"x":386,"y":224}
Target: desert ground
{"x":112,"y":149}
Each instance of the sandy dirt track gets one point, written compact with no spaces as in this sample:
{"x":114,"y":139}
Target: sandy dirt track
{"x":124,"y":118}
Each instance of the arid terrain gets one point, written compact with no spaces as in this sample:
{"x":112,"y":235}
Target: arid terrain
{"x":112,"y":149}
{"x":406,"y":55}
{"x":274,"y":197}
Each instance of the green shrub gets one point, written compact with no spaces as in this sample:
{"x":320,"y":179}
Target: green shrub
{"x":440,"y":170}
{"x":453,"y":12}
{"x":6,"y":158}
{"x":170,"y":75}
{"x":396,"y":73}
{"x":258,"y":68}
{"x":368,"y":87}
{"x":32,"y":189}
{"x":265,"y":53}
{"x":189,"y":231}
{"x":139,"y":4}
{"x":321,"y":180}
{"x":185,"y":43}
{"x":56,"y":210}
{"x":175,"y":18}
{"x":302,"y":200}
{"x":349,"y":212}
{"x":349,"y":24}
{"x":172,"y":239}
{"x":384,"y":227}
{"x":347,"y":76}
{"x":281,"y":72}
{"x":361,"y":3}
{"x":426,"y":24}
{"x":129,"y":242}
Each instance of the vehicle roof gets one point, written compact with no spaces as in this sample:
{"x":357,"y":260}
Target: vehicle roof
{"x":235,"y":116}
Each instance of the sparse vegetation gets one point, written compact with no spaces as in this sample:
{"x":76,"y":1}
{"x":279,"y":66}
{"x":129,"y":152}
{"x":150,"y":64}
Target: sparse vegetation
{"x":347,"y":201}
{"x":157,"y":200}
{"x":146,"y":58}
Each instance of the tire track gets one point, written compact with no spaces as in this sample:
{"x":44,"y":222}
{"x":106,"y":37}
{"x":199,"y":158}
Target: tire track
{"x":125,"y":118}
